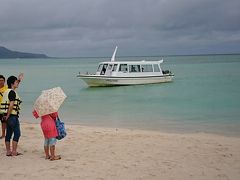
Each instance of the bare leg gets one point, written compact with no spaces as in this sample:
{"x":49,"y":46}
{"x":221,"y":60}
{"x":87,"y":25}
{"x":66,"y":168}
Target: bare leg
{"x":4,"y":125}
{"x":14,"y":148}
{"x":9,"y":153}
{"x":52,"y":151}
{"x":46,"y":149}
{"x":53,"y":156}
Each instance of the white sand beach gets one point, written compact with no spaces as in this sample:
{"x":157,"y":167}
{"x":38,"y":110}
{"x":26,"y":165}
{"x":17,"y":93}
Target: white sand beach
{"x":108,"y":153}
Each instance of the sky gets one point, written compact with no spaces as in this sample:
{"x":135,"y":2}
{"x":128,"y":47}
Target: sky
{"x":92,"y":28}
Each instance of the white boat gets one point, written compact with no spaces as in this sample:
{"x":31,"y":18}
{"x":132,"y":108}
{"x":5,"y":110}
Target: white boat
{"x":117,"y":73}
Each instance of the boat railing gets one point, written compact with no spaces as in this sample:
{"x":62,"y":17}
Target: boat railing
{"x":86,"y":73}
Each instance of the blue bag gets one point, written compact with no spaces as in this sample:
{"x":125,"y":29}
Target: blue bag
{"x":60,"y":129}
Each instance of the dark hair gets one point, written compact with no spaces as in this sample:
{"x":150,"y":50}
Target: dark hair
{"x":11,"y":81}
{"x":2,"y":77}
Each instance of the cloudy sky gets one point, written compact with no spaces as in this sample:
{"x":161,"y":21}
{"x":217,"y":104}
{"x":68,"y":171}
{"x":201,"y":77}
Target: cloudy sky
{"x":73,"y":28}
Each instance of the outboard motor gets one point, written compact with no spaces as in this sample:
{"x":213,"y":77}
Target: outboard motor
{"x":166,"y":72}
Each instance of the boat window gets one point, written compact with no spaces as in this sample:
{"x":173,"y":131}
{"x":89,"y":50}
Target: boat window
{"x":134,"y":68}
{"x":109,"y":67}
{"x":99,"y":67}
{"x":114,"y":67}
{"x":147,"y":68}
{"x":123,"y":67}
{"x":104,"y":69}
{"x":156,"y":68}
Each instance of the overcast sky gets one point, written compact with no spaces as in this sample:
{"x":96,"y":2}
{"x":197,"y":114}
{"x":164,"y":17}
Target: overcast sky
{"x":73,"y":28}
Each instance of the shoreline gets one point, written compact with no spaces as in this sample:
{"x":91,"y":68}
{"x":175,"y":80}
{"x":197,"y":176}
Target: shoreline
{"x":118,"y":153}
{"x":166,"y":127}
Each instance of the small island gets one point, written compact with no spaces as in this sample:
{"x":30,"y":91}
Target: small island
{"x":6,"y":53}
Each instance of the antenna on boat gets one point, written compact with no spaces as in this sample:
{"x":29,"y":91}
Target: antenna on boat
{"x":114,"y":54}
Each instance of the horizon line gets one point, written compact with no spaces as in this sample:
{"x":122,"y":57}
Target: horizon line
{"x":208,"y":54}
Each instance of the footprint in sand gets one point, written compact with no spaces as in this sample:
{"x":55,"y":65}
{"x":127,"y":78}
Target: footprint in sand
{"x":19,"y":174}
{"x":30,"y":128}
{"x":35,"y":151}
{"x":70,"y":160}
{"x":222,"y":176}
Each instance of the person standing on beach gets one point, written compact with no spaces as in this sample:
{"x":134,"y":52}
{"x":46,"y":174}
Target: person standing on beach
{"x":10,"y":107}
{"x":3,"y":88}
{"x":48,"y":125}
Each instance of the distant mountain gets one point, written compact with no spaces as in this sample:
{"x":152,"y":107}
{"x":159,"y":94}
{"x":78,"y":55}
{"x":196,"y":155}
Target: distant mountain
{"x":6,"y":53}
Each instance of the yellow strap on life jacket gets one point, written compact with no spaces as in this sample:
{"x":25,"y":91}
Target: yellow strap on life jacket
{"x":5,"y":103}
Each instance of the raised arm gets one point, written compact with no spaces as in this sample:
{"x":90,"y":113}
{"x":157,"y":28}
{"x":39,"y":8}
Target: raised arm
{"x":20,"y":77}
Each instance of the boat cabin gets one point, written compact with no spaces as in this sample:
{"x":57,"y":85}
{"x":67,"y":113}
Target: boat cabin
{"x":129,"y":68}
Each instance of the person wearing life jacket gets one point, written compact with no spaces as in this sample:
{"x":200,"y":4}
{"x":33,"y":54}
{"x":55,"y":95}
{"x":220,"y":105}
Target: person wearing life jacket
{"x":3,"y":88}
{"x":10,"y":107}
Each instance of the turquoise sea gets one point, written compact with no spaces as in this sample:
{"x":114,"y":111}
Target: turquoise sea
{"x":204,"y":96}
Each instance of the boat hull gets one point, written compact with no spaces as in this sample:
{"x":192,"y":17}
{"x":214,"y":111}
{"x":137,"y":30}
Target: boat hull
{"x":96,"y":81}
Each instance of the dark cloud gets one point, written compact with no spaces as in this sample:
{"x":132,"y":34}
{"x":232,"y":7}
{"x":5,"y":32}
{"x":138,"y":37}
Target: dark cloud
{"x":146,"y":27}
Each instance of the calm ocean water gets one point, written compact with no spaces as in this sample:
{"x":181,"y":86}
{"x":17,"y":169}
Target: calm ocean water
{"x":204,"y":96}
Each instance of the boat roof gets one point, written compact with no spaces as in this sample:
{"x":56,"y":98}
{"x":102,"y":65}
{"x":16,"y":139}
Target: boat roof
{"x":132,"y":62}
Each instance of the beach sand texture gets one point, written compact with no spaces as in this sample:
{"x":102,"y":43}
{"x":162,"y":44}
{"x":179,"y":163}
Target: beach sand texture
{"x":108,"y":153}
